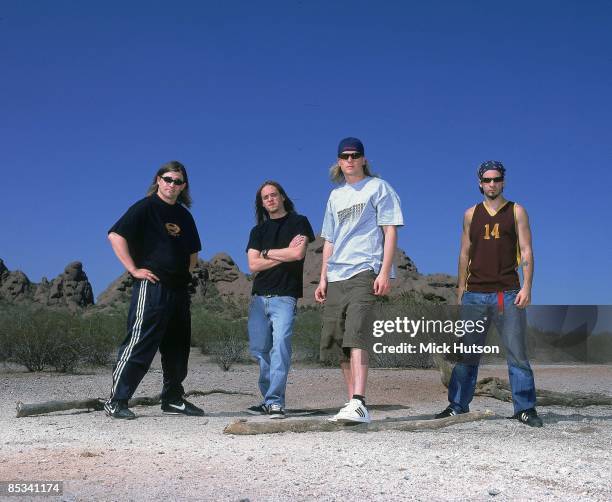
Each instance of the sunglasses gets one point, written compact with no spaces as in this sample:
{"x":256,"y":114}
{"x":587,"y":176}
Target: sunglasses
{"x":178,"y":182}
{"x":354,"y":155}
{"x":499,"y":179}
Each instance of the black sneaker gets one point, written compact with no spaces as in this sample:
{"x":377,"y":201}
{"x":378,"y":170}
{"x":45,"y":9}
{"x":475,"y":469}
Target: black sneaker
{"x":529,"y":417}
{"x":182,"y":407}
{"x":118,"y":409}
{"x":448,"y":412}
{"x":276,"y":411}
{"x":260,"y":409}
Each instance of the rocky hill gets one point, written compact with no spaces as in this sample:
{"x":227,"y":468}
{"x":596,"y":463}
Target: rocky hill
{"x":221,"y":271}
{"x":232,"y":283}
{"x":72,"y":289}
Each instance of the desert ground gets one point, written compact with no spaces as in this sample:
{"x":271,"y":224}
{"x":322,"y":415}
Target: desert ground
{"x":163,"y":457}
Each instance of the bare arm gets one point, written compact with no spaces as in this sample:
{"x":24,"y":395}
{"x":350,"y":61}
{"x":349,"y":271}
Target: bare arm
{"x":122,"y":250}
{"x":321,"y":291}
{"x":295,"y":252}
{"x":464,"y":254}
{"x":382,"y":284}
{"x":193,"y":261}
{"x":523,"y":298}
{"x":257,"y":263}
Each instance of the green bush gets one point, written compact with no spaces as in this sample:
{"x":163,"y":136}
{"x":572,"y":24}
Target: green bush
{"x":39,"y":338}
{"x":6,"y":341}
{"x":224,"y":340}
{"x":32,"y":334}
{"x":231,"y":348}
{"x":101,"y":334}
{"x":65,"y":349}
{"x":307,"y":335}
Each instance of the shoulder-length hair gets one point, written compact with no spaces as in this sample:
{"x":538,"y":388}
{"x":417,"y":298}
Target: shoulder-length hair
{"x":175,"y":167}
{"x":337,"y":176}
{"x":261,"y":214}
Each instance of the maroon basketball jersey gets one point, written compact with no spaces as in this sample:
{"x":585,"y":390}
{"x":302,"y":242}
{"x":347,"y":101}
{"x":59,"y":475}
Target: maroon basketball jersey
{"x":494,"y":250}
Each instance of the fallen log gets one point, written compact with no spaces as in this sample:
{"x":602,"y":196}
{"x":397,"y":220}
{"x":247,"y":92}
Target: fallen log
{"x":245,"y":427}
{"x":24,"y":410}
{"x":97,"y":404}
{"x":500,"y":389}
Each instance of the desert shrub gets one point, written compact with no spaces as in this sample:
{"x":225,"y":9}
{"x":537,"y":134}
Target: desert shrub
{"x":39,"y":338}
{"x":6,"y":342}
{"x":600,"y":348}
{"x":64,"y":348}
{"x":5,"y":347}
{"x":206,"y":326}
{"x":230,"y":349}
{"x":224,"y":340}
{"x":101,"y":334}
{"x":307,"y":335}
{"x":31,"y":337}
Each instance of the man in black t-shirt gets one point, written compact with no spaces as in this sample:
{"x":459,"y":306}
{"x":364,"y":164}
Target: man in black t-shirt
{"x":276,"y":251}
{"x":157,"y":241}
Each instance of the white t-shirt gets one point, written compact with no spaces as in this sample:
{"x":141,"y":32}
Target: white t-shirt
{"x":352,"y":223}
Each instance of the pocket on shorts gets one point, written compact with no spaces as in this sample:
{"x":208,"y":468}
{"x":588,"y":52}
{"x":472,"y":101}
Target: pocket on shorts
{"x":365,"y":278}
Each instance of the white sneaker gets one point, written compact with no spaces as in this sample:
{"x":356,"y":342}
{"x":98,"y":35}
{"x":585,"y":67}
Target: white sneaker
{"x":353,"y":412}
{"x":334,"y":419}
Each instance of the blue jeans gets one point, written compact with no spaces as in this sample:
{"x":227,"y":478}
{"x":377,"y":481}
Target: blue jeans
{"x":270,"y":329}
{"x":511,"y":326}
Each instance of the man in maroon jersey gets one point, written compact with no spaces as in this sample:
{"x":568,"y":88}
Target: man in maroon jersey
{"x":496,"y":239}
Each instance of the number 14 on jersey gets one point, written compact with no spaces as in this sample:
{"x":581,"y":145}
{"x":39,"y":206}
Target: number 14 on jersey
{"x":489,"y":232}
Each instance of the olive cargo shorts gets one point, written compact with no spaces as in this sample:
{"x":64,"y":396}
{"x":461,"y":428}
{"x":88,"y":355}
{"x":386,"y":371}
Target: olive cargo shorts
{"x":348,"y":317}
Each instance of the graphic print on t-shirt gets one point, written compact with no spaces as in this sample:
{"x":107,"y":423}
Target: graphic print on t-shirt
{"x":173,"y":229}
{"x":161,"y":238}
{"x":350,"y":213}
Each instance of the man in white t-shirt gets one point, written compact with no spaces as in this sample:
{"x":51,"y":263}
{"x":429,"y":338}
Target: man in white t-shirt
{"x":360,"y":232}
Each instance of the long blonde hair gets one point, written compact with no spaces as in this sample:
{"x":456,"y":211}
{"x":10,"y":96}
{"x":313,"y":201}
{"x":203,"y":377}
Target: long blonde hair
{"x":336,"y":175}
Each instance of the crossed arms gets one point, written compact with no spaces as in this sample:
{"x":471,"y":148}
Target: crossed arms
{"x":294,"y":252}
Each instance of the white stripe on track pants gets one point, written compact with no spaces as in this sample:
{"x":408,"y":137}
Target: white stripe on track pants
{"x":159,"y":318}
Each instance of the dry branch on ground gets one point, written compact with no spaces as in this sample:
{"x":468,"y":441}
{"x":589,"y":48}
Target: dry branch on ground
{"x":245,"y":427}
{"x":500,"y":389}
{"x":97,"y":404}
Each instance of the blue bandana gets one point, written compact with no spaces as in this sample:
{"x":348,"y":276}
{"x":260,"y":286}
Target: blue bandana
{"x":491,"y":165}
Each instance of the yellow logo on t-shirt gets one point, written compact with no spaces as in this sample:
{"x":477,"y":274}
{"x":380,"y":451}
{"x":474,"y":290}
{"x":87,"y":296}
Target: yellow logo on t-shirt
{"x":173,"y":229}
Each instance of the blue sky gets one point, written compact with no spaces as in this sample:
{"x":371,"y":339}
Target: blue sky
{"x":95,"y":96}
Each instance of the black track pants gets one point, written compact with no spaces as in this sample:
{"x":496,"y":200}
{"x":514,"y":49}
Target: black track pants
{"x":159,"y":318}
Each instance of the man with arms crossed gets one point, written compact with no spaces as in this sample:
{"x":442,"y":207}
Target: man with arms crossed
{"x":496,"y":239}
{"x":360,"y":232}
{"x":156,"y":240}
{"x":276,"y":251}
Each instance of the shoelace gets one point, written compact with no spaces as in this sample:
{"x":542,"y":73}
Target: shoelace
{"x":524,"y":417}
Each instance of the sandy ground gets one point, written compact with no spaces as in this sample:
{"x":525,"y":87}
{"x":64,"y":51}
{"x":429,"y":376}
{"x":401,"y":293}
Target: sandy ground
{"x":160,"y":457}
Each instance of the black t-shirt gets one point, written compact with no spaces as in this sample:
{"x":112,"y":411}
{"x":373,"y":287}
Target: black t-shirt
{"x":161,"y":237}
{"x":286,"y":278}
